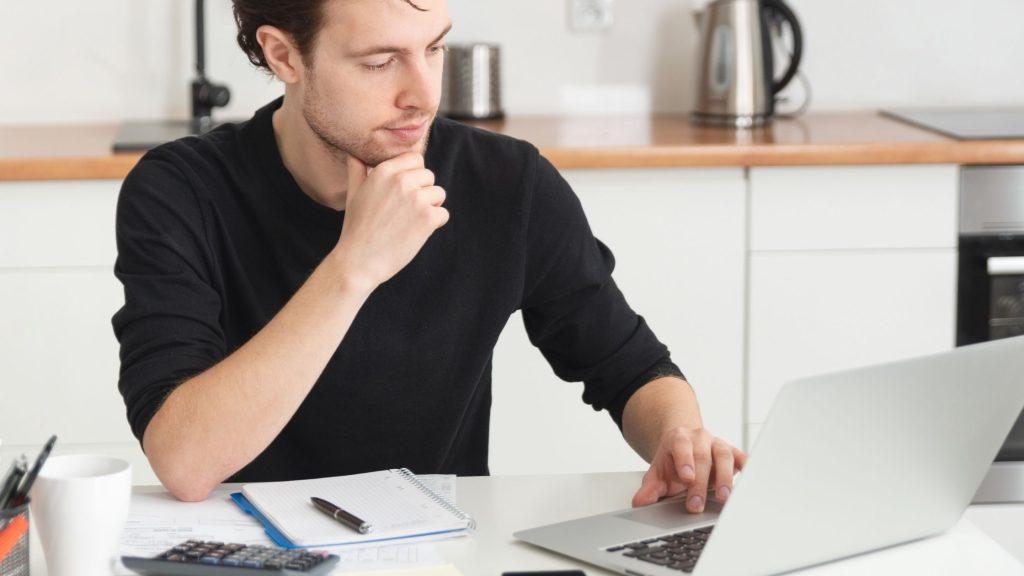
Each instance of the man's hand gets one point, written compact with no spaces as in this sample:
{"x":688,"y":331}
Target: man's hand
{"x":689,"y":459}
{"x":389,"y":215}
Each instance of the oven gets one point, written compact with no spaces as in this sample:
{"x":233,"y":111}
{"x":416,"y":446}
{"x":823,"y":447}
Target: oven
{"x":990,"y":291}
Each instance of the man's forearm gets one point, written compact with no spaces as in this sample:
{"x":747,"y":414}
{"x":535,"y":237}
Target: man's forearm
{"x":217,"y":422}
{"x":657,"y":407}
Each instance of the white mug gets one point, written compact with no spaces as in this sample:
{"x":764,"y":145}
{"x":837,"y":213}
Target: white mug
{"x":79,"y":507}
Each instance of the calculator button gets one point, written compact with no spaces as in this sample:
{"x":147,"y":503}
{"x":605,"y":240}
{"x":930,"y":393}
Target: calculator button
{"x":252,"y":563}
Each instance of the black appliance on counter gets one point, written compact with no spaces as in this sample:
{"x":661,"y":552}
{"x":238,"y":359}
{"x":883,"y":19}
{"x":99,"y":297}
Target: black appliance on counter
{"x":206,"y":95}
{"x":990,"y":293}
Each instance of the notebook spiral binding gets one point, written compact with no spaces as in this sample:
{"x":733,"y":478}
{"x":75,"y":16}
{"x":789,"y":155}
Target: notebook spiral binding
{"x":450,"y":506}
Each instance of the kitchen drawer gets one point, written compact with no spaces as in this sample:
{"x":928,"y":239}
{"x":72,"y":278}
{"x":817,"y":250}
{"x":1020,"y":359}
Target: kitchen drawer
{"x":57,"y":223}
{"x":854,"y":207}
{"x":812,"y":313}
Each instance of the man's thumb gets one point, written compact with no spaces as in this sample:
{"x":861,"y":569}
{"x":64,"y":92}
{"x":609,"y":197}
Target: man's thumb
{"x":356,"y":174}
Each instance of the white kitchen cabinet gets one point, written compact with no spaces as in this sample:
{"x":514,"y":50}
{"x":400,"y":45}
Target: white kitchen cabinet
{"x":853,"y":207}
{"x":57,"y":224}
{"x":678,"y":236}
{"x":848,"y":266}
{"x":57,"y":295}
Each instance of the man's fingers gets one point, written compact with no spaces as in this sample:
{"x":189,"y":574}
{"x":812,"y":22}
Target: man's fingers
{"x":723,"y":465}
{"x":697,"y":494}
{"x":434,"y":195}
{"x":356,"y":174}
{"x":416,"y":179}
{"x":739,"y":457}
{"x":650,"y":490}
{"x":441,"y":217}
{"x":682,"y":458}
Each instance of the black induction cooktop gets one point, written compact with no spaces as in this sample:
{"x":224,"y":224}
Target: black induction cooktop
{"x":967,"y":123}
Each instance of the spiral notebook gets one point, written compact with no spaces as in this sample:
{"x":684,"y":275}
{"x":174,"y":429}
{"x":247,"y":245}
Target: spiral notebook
{"x":393,"y":501}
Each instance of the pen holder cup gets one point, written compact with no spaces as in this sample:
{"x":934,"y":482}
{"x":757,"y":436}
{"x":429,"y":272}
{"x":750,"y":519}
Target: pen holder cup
{"x":14,"y":540}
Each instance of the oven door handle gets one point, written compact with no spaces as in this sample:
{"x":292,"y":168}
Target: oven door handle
{"x":1005,"y":265}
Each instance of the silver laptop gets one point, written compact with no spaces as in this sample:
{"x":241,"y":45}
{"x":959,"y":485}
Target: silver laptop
{"x":846,"y":463}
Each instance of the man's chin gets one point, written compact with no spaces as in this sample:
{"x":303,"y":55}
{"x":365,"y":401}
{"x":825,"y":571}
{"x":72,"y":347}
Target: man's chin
{"x":385,"y":153}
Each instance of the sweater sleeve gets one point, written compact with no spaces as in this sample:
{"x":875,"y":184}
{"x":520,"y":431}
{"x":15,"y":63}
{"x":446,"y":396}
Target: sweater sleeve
{"x":169,"y":328}
{"x":572,"y":309}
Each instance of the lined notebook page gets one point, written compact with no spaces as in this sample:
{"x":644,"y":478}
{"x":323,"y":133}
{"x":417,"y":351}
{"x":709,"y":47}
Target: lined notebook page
{"x":390,"y":500}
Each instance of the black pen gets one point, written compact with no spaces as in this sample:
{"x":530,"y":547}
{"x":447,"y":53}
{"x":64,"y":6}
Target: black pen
{"x":19,"y":497}
{"x":11,"y":481}
{"x":346,"y":518}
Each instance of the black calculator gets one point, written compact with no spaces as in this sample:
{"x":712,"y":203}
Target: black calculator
{"x":195,"y":558}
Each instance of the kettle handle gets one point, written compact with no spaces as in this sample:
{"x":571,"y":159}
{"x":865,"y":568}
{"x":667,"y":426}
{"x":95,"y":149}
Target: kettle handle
{"x":798,"y":41}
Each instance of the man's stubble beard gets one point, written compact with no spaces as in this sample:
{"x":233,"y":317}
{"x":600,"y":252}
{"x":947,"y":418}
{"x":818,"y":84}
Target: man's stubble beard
{"x":342,"y":142}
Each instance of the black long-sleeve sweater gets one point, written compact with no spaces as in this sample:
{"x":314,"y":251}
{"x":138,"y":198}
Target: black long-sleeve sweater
{"x":214,"y":236}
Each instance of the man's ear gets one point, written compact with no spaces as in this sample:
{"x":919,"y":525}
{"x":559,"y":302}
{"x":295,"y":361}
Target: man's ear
{"x":281,"y":54}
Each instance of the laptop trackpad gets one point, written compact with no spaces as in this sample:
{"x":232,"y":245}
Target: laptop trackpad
{"x":671,"y":514}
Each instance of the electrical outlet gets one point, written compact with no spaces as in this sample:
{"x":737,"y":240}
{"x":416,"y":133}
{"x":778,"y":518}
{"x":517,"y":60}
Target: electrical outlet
{"x":590,"y":15}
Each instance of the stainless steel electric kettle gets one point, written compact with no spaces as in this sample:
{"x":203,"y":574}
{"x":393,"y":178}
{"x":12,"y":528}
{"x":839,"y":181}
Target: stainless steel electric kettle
{"x":737,"y":84}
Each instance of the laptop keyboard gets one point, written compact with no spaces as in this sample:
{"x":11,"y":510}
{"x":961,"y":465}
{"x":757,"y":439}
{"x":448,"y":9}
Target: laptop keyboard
{"x":677,"y":551}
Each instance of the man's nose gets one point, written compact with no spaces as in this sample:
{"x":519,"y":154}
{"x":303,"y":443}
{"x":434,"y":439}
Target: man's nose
{"x":418,"y":89}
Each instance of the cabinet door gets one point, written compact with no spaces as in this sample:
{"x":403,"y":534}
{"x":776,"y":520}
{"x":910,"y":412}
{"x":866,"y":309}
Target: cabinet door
{"x":812,"y":313}
{"x":57,"y":295}
{"x":678,"y":238}
{"x":848,"y":266}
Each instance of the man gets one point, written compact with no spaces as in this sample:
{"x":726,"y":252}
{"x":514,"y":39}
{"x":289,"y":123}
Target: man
{"x":318,"y":291}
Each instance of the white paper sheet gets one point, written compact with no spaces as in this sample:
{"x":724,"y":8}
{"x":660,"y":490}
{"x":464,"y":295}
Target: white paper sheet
{"x":157,"y":521}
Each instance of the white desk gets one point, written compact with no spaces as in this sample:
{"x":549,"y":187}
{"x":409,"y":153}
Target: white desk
{"x":505,"y":504}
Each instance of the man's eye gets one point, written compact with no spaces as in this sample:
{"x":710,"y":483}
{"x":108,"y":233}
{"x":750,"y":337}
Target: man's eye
{"x":439,"y":49}
{"x":379,"y":67}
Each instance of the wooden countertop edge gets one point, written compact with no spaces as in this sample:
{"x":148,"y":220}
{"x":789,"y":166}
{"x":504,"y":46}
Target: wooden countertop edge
{"x":113,"y":167}
{"x":738,"y":155}
{"x":117,"y":166}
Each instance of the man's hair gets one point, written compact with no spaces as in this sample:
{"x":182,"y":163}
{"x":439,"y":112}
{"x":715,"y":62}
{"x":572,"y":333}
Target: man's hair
{"x":301,"y":19}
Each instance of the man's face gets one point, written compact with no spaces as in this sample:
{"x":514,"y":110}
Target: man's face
{"x":374,"y":83}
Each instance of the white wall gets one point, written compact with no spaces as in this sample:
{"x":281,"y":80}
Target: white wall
{"x":106,"y":60}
